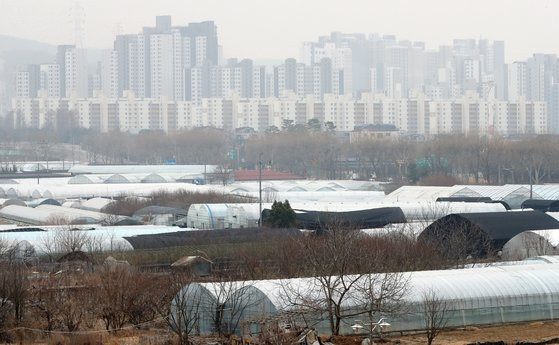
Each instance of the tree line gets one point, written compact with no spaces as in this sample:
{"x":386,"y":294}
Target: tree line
{"x":313,"y":150}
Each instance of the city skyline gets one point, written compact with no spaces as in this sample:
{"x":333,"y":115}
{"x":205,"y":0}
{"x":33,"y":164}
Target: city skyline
{"x":266,"y":34}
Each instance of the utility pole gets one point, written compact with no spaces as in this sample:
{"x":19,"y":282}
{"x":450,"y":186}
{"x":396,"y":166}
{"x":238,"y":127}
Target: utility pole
{"x":260,"y":189}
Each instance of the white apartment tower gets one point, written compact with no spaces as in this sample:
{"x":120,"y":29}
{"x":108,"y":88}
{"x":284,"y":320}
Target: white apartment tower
{"x":161,"y":65}
{"x":50,"y":79}
{"x":109,"y":74}
{"x":517,"y":83}
{"x":136,"y":66}
{"x":22,"y":84}
{"x":75,"y":61}
{"x":201,"y":49}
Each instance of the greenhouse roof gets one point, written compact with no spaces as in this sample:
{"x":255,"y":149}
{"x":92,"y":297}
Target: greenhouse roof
{"x":150,"y":210}
{"x":140,"y":169}
{"x":493,"y":192}
{"x":492,"y":286}
{"x":500,"y":225}
{"x":541,"y":205}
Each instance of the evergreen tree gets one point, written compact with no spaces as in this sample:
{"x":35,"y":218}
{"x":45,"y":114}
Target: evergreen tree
{"x":281,"y":215}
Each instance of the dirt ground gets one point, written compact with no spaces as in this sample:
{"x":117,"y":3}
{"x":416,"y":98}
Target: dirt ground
{"x":509,"y":334}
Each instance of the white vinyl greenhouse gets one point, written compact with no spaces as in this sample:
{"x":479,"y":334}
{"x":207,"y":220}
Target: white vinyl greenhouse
{"x":51,"y":214}
{"x":474,"y":296}
{"x":95,"y":237}
{"x":227,"y":306}
{"x":95,"y":204}
{"x":531,"y":243}
{"x":141,"y":169}
{"x":513,"y":195}
{"x":207,"y":216}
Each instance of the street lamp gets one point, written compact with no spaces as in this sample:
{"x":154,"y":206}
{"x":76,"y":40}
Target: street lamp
{"x":381,"y":326}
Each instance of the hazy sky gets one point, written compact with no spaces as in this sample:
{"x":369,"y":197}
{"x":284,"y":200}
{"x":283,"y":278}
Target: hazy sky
{"x":275,"y":29}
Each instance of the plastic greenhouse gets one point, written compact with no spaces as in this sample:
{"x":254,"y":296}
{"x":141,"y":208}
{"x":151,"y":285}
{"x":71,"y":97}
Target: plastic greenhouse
{"x":474,"y":296}
{"x":234,"y":307}
{"x":207,"y":216}
{"x":532,"y":243}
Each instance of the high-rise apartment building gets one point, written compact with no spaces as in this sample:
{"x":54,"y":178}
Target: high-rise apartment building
{"x":50,"y":79}
{"x":76,"y":73}
{"x":153,"y":63}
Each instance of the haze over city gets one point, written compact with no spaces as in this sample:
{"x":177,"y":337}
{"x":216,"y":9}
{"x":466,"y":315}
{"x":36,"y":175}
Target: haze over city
{"x":275,"y":29}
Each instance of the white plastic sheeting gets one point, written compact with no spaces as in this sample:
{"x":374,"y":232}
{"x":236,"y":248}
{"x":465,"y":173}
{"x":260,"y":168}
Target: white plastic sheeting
{"x":118,"y":179}
{"x":241,"y":303}
{"x":133,"y":178}
{"x":95,"y":204}
{"x":26,"y":215}
{"x":323,"y":196}
{"x":513,"y":195}
{"x":52,"y":165}
{"x":87,"y":179}
{"x":553,"y":214}
{"x":207,"y":216}
{"x":141,"y":169}
{"x":546,"y":191}
{"x":305,"y":186}
{"x":486,"y":295}
{"x":72,"y":203}
{"x":50,"y":181}
{"x":411,"y":230}
{"x":18,"y":202}
{"x":43,"y":201}
{"x":531,"y":243}
{"x":426,"y":193}
{"x":87,"y":191}
{"x":96,"y":238}
{"x":49,"y":214}
{"x":430,"y":211}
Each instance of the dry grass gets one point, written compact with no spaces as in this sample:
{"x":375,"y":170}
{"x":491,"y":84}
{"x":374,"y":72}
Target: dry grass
{"x":126,"y":206}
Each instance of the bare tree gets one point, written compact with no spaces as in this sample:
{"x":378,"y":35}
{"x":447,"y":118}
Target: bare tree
{"x":46,"y":299}
{"x":223,"y":173}
{"x":382,"y":294}
{"x":188,"y":309}
{"x":435,"y":310}
{"x":110,"y":219}
{"x":116,"y":295}
{"x":336,"y":263}
{"x":65,"y":239}
{"x":232,"y":301}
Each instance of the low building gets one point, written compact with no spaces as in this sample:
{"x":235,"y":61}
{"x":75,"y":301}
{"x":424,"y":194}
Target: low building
{"x":374,"y":132}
